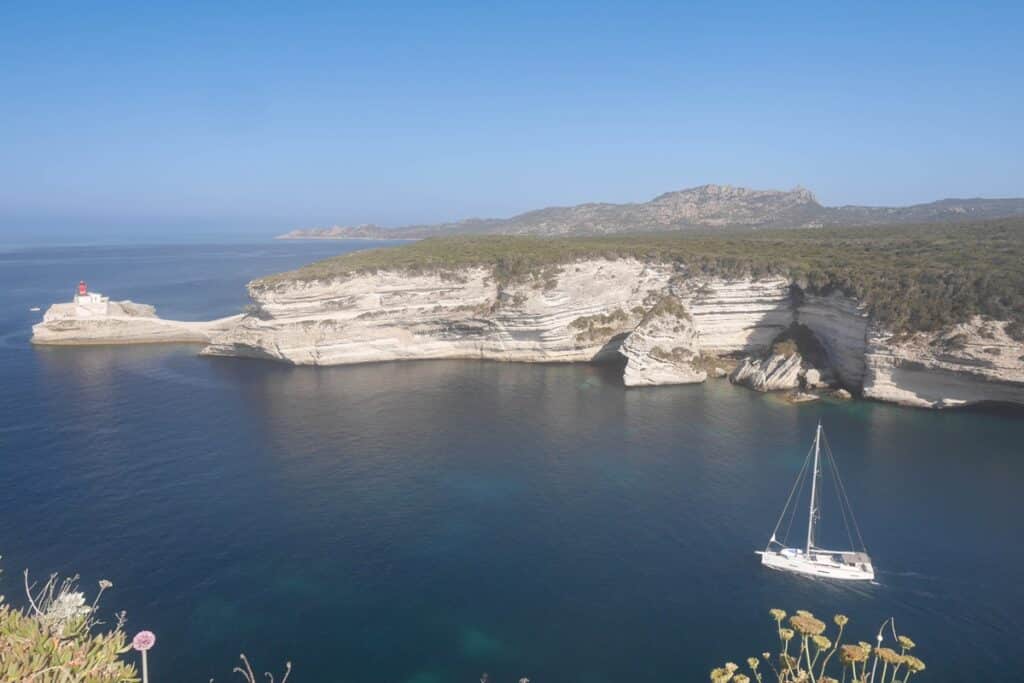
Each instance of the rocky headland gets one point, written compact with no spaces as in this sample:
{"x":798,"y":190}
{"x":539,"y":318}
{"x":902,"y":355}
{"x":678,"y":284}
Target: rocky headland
{"x":674,"y":321}
{"x":120,"y":322}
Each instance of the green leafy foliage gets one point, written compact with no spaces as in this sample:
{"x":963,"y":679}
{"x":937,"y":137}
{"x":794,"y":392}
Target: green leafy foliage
{"x":28,"y":652}
{"x":600,"y":326}
{"x":669,"y":306}
{"x":916,"y":277}
{"x":57,"y":638}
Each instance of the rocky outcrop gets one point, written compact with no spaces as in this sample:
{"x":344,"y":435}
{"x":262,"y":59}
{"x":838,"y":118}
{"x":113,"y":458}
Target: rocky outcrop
{"x":974,"y":362}
{"x":669,"y":324}
{"x":775,"y":372}
{"x":120,"y":322}
{"x":664,"y":348}
{"x":796,"y":360}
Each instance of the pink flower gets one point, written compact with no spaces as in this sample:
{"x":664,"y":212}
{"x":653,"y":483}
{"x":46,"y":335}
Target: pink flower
{"x":144,"y":640}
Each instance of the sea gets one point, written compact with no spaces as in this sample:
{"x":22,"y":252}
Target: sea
{"x":429,"y":522}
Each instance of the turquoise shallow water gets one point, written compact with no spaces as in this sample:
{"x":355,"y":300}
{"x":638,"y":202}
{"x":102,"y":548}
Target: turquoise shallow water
{"x":429,"y":521}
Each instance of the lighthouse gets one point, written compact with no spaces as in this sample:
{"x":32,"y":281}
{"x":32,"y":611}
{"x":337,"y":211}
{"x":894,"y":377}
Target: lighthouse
{"x":89,"y":303}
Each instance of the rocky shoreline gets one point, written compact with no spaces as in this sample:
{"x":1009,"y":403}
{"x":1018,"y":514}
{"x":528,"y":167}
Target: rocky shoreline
{"x":121,"y":322}
{"x":672,"y":326}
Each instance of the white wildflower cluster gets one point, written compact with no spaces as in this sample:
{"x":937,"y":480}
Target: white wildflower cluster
{"x":65,"y":609}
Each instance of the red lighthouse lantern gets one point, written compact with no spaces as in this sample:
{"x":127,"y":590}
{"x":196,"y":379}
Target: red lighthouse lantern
{"x":82,"y":289}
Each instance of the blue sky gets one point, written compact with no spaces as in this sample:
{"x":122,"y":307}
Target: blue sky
{"x":249,"y":118}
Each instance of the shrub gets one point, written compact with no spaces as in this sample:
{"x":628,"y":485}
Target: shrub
{"x":958,"y":342}
{"x":599,"y":327}
{"x":58,"y":638}
{"x":669,"y":306}
{"x":676,"y":355}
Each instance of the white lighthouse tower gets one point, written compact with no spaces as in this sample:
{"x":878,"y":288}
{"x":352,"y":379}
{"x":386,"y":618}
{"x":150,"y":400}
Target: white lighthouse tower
{"x":89,"y":303}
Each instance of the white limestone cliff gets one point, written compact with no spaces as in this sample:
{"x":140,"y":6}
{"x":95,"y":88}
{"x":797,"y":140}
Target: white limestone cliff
{"x":120,"y":322}
{"x":394,"y":315}
{"x":664,"y":348}
{"x":741,"y":315}
{"x":973,"y":362}
{"x":840,"y":325}
{"x":597,"y":308}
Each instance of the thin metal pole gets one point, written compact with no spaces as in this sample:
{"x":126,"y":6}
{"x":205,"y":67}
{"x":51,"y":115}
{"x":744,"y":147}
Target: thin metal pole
{"x":814,"y":488}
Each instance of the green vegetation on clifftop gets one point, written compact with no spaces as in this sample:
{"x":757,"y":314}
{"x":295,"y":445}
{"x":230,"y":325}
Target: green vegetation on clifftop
{"x":916,"y":277}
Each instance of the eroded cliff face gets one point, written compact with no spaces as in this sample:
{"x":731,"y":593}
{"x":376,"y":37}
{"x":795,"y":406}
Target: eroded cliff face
{"x":841,"y":327}
{"x":739,"y":316}
{"x":973,"y":362}
{"x":664,"y":348}
{"x":579,"y":313}
{"x":666,"y":322}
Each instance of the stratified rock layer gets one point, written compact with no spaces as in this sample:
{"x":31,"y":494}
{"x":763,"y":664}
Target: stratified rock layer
{"x":664,"y":348}
{"x":776,"y":372}
{"x":841,"y":327}
{"x":973,"y":362}
{"x":596,"y":308}
{"x":393,"y":316}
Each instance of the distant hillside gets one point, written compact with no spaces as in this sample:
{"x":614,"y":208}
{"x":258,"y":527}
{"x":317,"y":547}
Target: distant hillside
{"x":708,"y":206}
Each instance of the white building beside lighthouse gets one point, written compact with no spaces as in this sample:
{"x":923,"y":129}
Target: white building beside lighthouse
{"x":90,"y":303}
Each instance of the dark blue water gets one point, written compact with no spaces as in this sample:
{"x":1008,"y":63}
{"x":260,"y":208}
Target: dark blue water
{"x":425,"y":522}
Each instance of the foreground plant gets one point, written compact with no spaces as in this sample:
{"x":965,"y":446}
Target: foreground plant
{"x":58,"y":638}
{"x":246,"y":671}
{"x":807,"y":660}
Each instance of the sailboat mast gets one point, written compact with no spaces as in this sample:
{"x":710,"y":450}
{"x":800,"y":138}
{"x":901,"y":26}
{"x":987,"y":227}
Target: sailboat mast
{"x":814,"y":489}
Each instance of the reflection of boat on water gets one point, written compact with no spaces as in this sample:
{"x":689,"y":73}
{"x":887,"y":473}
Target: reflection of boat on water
{"x":848,"y":565}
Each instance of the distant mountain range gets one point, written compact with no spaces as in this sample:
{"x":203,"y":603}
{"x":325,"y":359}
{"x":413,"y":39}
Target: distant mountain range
{"x":707,"y":206}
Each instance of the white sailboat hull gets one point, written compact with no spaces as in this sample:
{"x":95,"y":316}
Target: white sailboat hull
{"x":828,"y":564}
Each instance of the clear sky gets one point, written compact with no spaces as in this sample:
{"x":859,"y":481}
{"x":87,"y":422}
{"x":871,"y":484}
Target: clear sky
{"x":230,"y":117}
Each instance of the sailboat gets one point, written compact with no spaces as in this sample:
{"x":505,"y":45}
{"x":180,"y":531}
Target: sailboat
{"x":847,"y":565}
